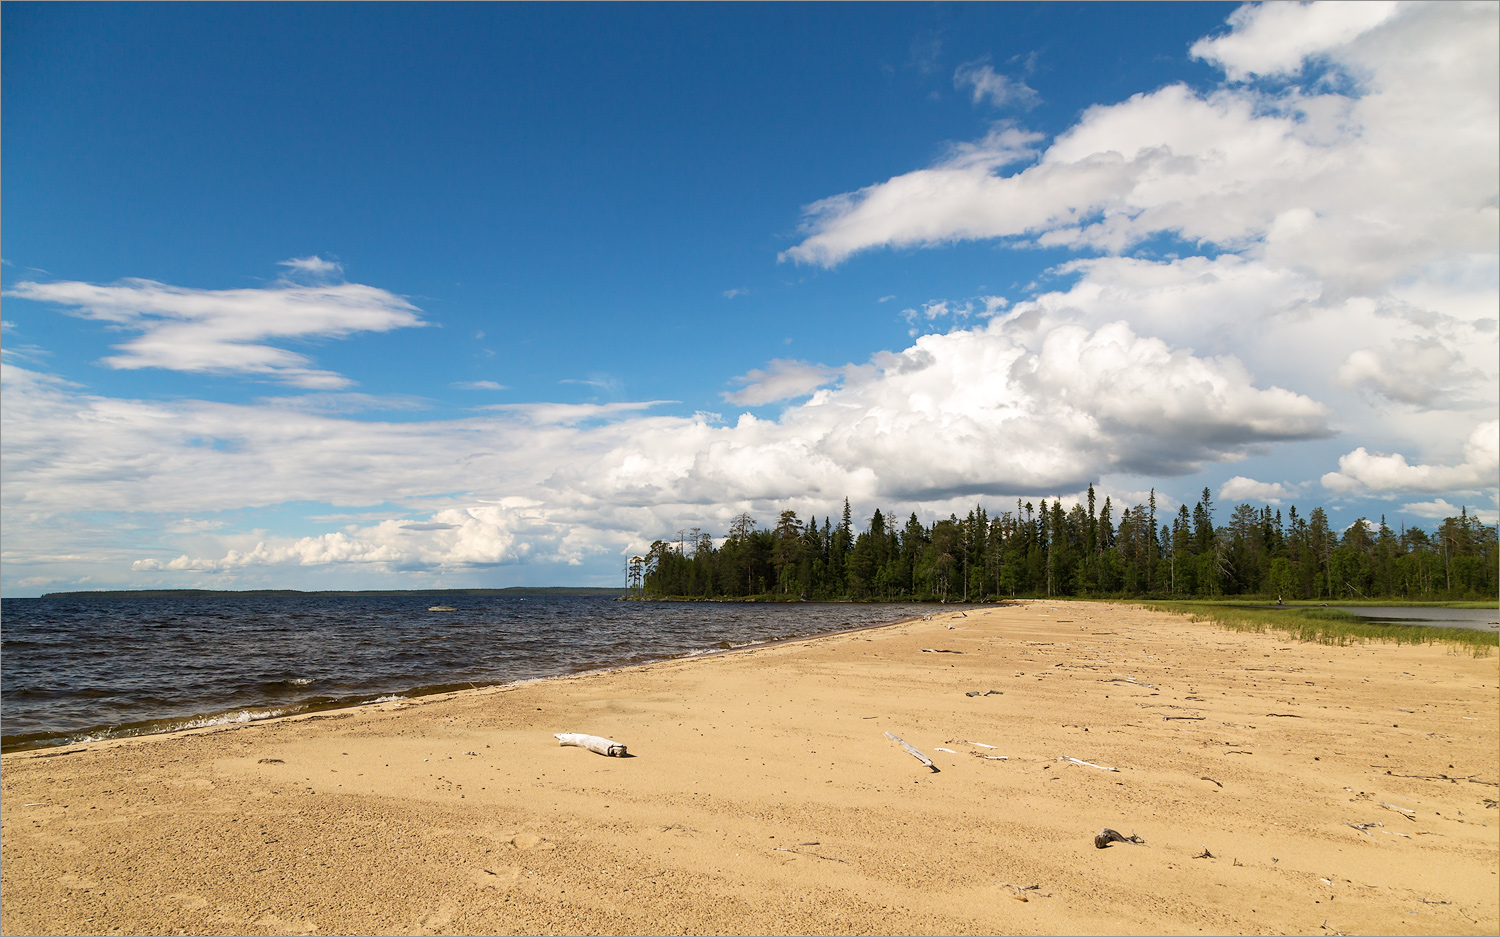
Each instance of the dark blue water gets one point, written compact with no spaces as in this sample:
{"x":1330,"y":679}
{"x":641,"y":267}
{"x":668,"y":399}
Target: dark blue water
{"x":74,"y":669}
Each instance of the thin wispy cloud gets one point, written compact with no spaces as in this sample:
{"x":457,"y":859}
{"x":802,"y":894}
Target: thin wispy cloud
{"x":782,"y":379}
{"x":603,"y":383}
{"x":227,"y":331}
{"x":313,"y":266}
{"x":477,"y":385}
{"x":987,"y":86}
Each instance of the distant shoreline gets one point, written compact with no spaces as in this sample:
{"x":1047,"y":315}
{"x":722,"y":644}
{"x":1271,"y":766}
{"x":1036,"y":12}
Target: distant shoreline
{"x":196,"y":593}
{"x":1250,"y":601}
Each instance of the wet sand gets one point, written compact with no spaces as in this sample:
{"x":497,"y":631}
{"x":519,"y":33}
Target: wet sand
{"x":763,"y":796}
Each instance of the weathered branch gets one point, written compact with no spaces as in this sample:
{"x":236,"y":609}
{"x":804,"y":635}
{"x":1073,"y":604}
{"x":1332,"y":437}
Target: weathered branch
{"x":912,"y":751}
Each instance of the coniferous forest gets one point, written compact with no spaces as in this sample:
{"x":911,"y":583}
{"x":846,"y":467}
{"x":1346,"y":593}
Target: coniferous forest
{"x":1086,"y":550}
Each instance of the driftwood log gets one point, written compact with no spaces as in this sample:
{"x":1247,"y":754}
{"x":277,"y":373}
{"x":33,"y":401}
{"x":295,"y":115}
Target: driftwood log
{"x":1104,"y":837}
{"x":1086,"y":764}
{"x":592,"y":742}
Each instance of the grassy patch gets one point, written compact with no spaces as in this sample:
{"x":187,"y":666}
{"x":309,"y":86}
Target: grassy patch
{"x":1328,"y":626}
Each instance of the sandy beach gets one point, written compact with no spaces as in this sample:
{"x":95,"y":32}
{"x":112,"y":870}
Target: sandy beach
{"x":1333,"y":790}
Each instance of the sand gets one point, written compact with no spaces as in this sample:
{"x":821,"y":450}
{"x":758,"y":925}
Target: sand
{"x":763,"y":796}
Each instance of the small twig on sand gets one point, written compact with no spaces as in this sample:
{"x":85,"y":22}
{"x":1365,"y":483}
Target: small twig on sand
{"x":1362,"y":827}
{"x":816,"y":855}
{"x":1150,"y":686}
{"x":1019,"y":892}
{"x":1409,"y":814}
{"x":1086,"y":764}
{"x":1185,"y":718}
{"x":1207,"y":778}
{"x":1205,"y":854}
{"x":1472,"y":779}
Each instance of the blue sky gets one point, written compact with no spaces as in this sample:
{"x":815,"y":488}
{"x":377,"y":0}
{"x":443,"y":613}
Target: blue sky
{"x":341,"y":296}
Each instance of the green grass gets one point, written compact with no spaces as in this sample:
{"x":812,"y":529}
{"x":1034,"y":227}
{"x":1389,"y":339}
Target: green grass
{"x":1350,"y":603}
{"x":1328,"y":626}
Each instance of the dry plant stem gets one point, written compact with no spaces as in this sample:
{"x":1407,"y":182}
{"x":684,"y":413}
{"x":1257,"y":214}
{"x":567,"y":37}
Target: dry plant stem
{"x":815,"y":855}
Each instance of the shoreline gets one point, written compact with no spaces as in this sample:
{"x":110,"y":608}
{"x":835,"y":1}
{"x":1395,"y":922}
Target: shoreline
{"x":763,"y":796}
{"x":220,"y":718}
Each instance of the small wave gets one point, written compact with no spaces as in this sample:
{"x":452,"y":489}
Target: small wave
{"x":388,"y":698}
{"x":146,"y":727}
{"x":299,"y":681}
{"x":224,"y":719}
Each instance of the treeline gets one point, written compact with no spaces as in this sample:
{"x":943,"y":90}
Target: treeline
{"x":1048,"y":550}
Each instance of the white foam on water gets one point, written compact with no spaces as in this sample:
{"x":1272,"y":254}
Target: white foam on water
{"x":229,"y":718}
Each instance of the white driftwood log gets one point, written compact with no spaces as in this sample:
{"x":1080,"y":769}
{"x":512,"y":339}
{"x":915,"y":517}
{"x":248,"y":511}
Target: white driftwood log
{"x":592,"y":742}
{"x":911,"y":751}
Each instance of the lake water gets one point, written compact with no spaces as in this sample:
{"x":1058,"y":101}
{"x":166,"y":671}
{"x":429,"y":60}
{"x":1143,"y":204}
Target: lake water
{"x":1479,"y":619}
{"x":76,"y":669}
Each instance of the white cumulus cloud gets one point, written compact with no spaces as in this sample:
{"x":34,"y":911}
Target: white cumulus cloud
{"x":1338,"y":236}
{"x":1276,"y":38}
{"x":1019,"y":405}
{"x":1240,"y":488}
{"x":1320,"y":181}
{"x":1480,"y":469}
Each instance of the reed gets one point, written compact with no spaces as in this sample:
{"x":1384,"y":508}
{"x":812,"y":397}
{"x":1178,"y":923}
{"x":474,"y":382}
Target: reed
{"x":1328,"y":626}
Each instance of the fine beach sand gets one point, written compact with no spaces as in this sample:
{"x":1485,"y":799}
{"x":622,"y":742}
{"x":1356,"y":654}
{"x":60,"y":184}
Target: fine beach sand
{"x":764,"y":797}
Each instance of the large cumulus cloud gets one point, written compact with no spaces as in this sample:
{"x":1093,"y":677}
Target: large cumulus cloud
{"x":1333,"y":206}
